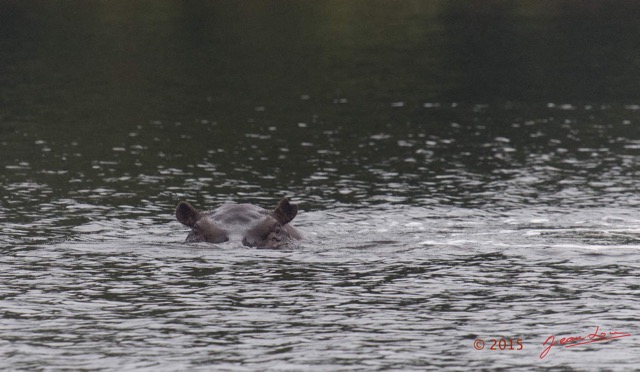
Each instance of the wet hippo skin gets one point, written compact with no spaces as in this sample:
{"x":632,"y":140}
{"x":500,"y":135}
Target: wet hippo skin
{"x":252,"y":225}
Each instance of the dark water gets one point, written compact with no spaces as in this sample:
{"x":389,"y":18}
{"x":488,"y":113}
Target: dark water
{"x":464,"y":171}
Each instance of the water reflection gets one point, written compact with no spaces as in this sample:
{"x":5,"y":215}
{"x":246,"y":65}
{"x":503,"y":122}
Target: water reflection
{"x":564,"y":156}
{"x":464,"y":171}
{"x":273,"y":307}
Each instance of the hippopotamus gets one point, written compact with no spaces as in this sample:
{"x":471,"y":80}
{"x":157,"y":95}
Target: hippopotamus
{"x":252,"y":225}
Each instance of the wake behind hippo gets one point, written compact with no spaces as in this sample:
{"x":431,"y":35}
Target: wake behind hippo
{"x":253,"y":225}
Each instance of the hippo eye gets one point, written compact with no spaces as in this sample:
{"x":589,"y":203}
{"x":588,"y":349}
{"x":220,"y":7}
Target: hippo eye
{"x":272,"y":233}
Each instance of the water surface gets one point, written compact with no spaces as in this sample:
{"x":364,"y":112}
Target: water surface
{"x":463,"y":172}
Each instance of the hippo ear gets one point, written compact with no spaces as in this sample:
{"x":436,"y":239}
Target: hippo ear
{"x":186,"y":214}
{"x":285,"y":211}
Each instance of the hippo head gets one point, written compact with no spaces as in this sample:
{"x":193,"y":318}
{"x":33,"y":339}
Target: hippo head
{"x":250,"y":224}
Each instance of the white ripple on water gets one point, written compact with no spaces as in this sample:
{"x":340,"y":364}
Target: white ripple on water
{"x":402,"y":288}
